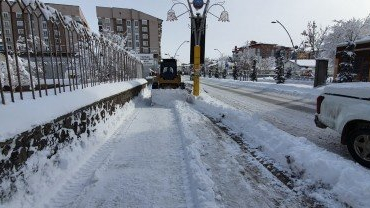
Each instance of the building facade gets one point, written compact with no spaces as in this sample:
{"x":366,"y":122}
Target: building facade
{"x":264,"y":50}
{"x":17,"y":21}
{"x":143,"y":31}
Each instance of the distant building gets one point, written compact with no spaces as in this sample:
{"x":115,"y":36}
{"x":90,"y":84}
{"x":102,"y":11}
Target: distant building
{"x":14,"y":25}
{"x":303,"y":67}
{"x":143,"y":31}
{"x":263,"y":50}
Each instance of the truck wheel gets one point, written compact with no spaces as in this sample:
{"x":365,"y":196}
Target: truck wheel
{"x":359,"y":146}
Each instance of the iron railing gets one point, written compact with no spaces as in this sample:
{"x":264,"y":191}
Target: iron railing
{"x":44,"y":51}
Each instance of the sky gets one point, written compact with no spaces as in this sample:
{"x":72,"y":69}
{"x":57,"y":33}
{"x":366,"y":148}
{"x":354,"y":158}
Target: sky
{"x":249,"y":20}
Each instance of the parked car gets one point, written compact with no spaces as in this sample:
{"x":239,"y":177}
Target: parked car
{"x":346,"y":109}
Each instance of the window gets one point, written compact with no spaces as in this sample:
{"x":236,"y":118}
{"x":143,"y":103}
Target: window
{"x":119,"y":29}
{"x":46,"y":40}
{"x":100,"y":22}
{"x":144,"y":29}
{"x":107,"y":20}
{"x":119,"y":21}
{"x":136,"y":30}
{"x":7,"y":32}
{"x":136,"y":36}
{"x":20,"y":23}
{"x":128,"y":30}
{"x":145,"y":36}
{"x":9,"y":47}
{"x":128,"y":23}
{"x":20,"y":31}
{"x":8,"y":39}
{"x":144,"y":22}
{"x":18,"y":15}
{"x":7,"y":23}
{"x":44,"y":25}
{"x":129,"y":44}
{"x":136,"y":23}
{"x":6,"y":15}
{"x":45,"y":33}
{"x":137,"y":44}
{"x":129,"y":37}
{"x":145,"y":43}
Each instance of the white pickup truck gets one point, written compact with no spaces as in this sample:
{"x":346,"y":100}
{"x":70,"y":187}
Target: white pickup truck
{"x":346,"y":109}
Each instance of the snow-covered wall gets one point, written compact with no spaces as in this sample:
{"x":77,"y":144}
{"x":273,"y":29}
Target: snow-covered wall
{"x":47,"y":139}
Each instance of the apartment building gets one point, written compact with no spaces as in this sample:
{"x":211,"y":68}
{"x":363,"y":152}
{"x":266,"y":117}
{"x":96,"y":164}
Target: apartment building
{"x":264,"y":50}
{"x":14,"y":26}
{"x":143,"y":31}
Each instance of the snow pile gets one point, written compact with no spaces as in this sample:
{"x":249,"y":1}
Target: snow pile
{"x":298,"y":156}
{"x":298,"y":90}
{"x":22,"y":116}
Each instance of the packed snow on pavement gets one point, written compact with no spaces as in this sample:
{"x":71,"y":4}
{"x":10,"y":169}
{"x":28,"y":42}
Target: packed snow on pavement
{"x":167,"y":153}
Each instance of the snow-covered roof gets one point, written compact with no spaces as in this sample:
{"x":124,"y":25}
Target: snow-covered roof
{"x":360,"y":41}
{"x":305,"y":62}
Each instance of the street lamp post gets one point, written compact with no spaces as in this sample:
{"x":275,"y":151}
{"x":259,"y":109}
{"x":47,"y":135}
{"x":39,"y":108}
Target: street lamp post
{"x":219,"y":52}
{"x":291,"y":40}
{"x":198,"y":28}
{"x":186,"y":41}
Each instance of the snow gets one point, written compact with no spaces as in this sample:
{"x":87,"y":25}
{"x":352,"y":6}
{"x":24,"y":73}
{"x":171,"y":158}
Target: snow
{"x":355,"y":89}
{"x":349,"y":181}
{"x":169,"y":154}
{"x":24,"y":115}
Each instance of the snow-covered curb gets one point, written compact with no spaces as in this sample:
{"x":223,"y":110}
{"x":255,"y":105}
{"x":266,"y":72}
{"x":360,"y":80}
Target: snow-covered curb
{"x":313,"y":164}
{"x":24,"y":115}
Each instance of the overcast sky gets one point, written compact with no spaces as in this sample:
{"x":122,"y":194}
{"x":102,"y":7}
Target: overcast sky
{"x":249,"y":20}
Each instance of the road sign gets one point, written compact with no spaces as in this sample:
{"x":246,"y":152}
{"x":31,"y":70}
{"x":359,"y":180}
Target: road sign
{"x":147,"y":59}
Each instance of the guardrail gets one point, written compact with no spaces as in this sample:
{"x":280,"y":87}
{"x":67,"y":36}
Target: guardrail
{"x":43,"y":50}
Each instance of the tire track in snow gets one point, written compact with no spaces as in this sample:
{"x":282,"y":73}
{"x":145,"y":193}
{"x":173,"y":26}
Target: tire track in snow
{"x":75,"y":186}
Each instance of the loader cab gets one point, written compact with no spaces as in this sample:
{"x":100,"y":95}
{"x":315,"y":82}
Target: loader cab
{"x":168,"y":69}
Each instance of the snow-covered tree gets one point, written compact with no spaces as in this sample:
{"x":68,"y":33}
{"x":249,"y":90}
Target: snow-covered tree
{"x":246,"y":58}
{"x":343,"y":31}
{"x":279,"y":70}
{"x":253,"y":75}
{"x":346,"y":66}
{"x":23,"y":72}
{"x":265,"y":65}
{"x":313,"y":38}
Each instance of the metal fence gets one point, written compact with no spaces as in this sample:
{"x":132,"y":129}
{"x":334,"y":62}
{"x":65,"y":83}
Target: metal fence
{"x":44,"y":52}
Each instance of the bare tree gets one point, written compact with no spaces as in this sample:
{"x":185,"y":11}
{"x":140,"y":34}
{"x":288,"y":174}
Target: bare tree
{"x":314,"y":38}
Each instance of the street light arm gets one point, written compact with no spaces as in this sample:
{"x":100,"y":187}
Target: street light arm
{"x":186,"y":41}
{"x":217,"y":4}
{"x":291,"y":40}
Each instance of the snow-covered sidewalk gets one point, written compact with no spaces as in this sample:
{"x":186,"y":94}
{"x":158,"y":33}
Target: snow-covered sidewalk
{"x":144,"y":167}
